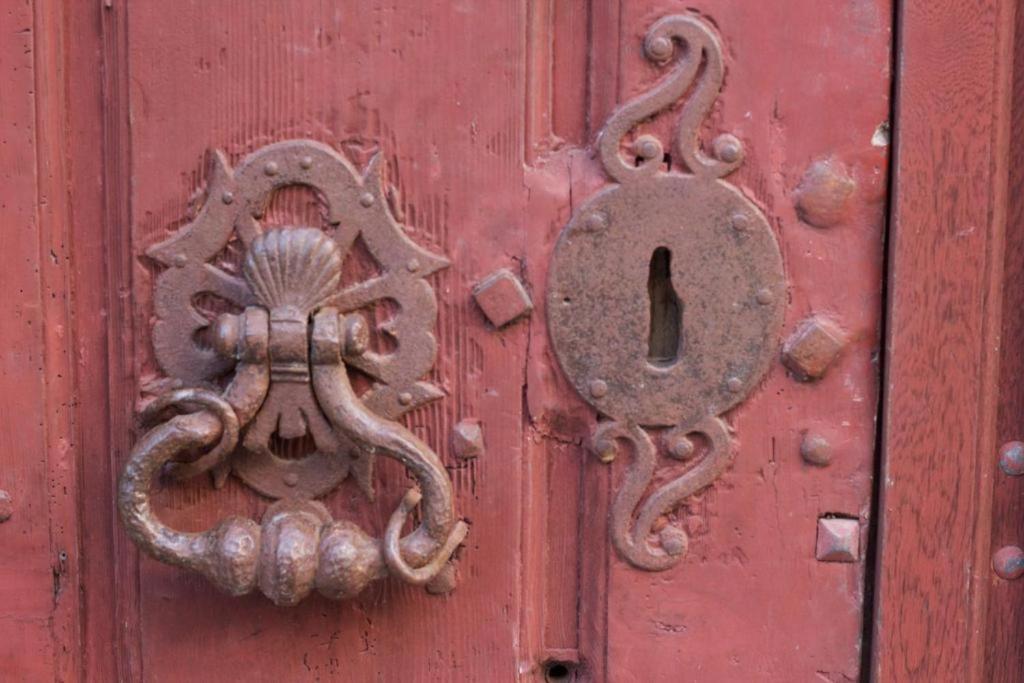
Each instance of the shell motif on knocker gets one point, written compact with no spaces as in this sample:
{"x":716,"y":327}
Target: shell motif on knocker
{"x":282,"y":354}
{"x":705,"y":264}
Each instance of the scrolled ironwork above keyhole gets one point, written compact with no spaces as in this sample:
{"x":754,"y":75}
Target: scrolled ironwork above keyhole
{"x":665,"y":294}
{"x":282,"y":354}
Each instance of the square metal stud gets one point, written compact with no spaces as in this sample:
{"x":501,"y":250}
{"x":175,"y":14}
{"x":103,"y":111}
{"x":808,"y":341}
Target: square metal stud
{"x":502,"y":298}
{"x":838,"y":540}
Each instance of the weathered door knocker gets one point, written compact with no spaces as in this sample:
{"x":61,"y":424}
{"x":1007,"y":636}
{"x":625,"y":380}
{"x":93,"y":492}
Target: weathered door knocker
{"x":707,"y":337}
{"x":286,"y":348}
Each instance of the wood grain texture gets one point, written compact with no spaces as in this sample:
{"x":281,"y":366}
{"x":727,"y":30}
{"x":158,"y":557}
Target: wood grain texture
{"x":39,"y":617}
{"x":1004,"y":658}
{"x":943,"y":350}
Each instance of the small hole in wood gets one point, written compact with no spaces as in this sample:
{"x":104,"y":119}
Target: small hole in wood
{"x":559,"y":671}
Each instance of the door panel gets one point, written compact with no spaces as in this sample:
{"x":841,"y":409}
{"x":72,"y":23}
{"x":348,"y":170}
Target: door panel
{"x":485,"y":113}
{"x":448,"y":123}
{"x":807,"y":91}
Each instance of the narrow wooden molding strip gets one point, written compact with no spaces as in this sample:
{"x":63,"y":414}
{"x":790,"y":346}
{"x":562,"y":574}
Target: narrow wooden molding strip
{"x":947,"y":232}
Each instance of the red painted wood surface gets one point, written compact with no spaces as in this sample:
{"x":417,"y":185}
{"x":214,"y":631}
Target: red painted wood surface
{"x":946,"y":296}
{"x":1004,"y":660}
{"x":483,"y":110}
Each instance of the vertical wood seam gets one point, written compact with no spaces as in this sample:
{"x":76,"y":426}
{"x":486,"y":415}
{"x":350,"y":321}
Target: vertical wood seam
{"x":117,"y":238}
{"x":58,"y":377}
{"x":989,"y":408}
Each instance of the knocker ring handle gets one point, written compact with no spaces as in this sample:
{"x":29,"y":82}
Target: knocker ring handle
{"x":298,"y":547}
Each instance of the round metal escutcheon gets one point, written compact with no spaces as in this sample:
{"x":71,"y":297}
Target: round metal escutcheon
{"x":725,"y":270}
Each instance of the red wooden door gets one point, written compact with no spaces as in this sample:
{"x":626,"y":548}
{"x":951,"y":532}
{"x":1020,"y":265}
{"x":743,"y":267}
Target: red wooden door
{"x":484,"y":116}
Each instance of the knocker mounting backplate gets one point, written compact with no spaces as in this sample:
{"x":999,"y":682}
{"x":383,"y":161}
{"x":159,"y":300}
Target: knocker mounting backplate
{"x":275,"y":366}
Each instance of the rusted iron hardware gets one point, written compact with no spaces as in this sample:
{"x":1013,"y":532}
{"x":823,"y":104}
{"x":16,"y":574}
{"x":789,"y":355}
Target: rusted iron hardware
{"x":665,"y":295}
{"x":276,"y":367}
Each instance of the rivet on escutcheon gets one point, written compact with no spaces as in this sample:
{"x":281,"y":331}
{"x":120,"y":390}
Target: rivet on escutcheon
{"x":734,"y":384}
{"x":647,"y":147}
{"x":1008,"y":562}
{"x":271,"y":168}
{"x":366,"y":200}
{"x":673,"y":540}
{"x":598,"y":388}
{"x":679,"y":446}
{"x":1011,"y":458}
{"x":728,"y":148}
{"x":660,"y":48}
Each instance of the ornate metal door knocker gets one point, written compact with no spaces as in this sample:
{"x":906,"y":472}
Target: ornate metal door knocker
{"x":665,"y":295}
{"x":282,"y":356}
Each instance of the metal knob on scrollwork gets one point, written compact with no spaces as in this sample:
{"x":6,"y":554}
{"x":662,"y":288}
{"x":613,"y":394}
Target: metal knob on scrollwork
{"x":285,"y":357}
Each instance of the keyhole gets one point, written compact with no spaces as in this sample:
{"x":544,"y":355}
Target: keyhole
{"x":665,"y":340}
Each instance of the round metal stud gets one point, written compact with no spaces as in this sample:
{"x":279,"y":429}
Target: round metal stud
{"x":598,"y":388}
{"x":728,"y":148}
{"x":271,"y":168}
{"x":227,"y":197}
{"x":1011,"y":458}
{"x":680,"y":447}
{"x":673,"y":540}
{"x":660,"y":48}
{"x":647,"y":147}
{"x":366,"y":199}
{"x":734,"y":384}
{"x":816,"y":450}
{"x":1008,"y":562}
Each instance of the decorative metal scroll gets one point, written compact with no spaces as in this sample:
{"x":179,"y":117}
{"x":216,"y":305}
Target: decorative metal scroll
{"x":283,"y":350}
{"x":724,"y":296}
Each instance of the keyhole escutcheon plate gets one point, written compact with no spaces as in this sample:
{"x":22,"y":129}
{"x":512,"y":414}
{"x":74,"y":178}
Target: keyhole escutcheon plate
{"x":666,"y":295}
{"x":725,"y":268}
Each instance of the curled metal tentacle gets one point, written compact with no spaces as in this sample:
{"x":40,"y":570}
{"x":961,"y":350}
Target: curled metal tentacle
{"x":629,"y":536}
{"x":226,"y":554}
{"x":244,"y":395}
{"x":698,"y":46}
{"x":392,"y":545}
{"x":375,"y":434}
